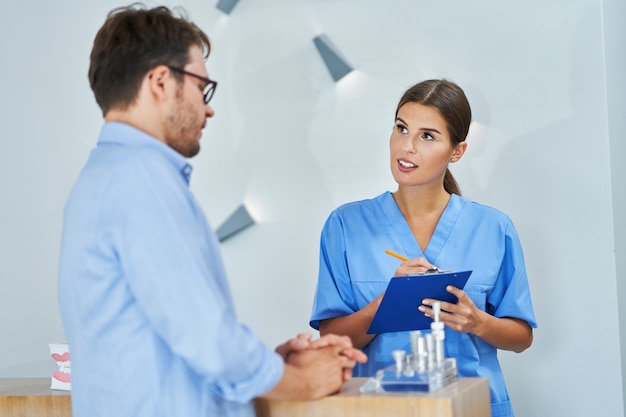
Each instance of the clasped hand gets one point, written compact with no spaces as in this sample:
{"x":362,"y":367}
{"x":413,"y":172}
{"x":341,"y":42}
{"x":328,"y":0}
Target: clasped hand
{"x":332,"y":349}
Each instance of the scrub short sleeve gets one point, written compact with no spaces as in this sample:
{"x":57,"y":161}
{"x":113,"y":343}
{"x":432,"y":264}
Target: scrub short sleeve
{"x":334,"y":296}
{"x":511,"y":294}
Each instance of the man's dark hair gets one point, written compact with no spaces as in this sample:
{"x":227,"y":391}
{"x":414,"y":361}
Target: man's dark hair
{"x":134,"y":40}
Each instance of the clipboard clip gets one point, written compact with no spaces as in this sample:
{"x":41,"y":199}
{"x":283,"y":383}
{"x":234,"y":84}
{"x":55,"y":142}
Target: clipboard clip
{"x":434,"y":270}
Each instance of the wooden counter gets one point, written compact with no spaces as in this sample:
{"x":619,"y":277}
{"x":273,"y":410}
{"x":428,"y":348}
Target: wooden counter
{"x":466,"y":397}
{"x":32,"y":397}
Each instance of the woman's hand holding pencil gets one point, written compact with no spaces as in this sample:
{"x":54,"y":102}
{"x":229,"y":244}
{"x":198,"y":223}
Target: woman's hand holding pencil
{"x":412,"y":266}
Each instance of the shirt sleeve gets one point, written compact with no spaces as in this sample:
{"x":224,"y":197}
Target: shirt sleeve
{"x":334,"y":296}
{"x":510,"y":296}
{"x":174,"y":269}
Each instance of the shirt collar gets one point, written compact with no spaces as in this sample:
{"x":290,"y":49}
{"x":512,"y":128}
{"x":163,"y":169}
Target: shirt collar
{"x":124,"y":134}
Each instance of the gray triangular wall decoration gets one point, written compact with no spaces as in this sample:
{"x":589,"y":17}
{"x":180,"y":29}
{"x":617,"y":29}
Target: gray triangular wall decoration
{"x":336,"y":64}
{"x":226,"y":5}
{"x":237,"y":221}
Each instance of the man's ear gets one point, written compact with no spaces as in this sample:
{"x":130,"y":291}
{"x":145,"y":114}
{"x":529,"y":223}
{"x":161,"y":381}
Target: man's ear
{"x":159,"y":81}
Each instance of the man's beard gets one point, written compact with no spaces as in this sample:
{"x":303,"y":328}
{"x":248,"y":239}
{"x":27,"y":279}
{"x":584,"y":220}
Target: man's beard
{"x":182,"y":128}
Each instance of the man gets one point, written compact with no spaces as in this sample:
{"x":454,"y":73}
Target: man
{"x":142,"y":290}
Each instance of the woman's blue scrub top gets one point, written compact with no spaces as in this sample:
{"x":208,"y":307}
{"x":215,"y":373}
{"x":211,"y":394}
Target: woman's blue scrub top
{"x":354,"y":269}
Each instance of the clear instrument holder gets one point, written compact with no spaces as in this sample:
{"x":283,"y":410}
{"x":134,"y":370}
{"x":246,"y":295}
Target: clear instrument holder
{"x":423,"y":369}
{"x":408,"y":379}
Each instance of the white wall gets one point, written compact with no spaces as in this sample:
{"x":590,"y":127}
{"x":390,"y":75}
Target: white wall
{"x":546,"y":82}
{"x":615,"y":31}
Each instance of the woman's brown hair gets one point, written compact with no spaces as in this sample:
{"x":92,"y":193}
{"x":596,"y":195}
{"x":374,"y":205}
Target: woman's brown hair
{"x":451,"y":102}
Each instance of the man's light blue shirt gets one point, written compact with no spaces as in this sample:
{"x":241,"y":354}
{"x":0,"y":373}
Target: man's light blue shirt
{"x":145,"y":303}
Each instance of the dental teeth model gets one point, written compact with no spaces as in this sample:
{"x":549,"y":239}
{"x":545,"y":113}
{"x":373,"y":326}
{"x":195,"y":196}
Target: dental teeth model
{"x":61,"y":379}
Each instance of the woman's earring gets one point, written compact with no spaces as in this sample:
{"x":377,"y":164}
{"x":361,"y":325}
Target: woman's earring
{"x":453,"y":160}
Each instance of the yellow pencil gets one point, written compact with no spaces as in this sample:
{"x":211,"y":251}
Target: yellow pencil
{"x":397,"y":255}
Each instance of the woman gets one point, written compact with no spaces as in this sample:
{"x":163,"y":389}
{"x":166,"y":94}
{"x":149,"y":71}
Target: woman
{"x":429,"y":222}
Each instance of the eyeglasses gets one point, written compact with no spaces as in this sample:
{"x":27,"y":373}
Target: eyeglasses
{"x":211,"y":85}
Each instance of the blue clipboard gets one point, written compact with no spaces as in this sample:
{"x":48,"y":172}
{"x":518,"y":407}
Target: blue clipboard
{"x":398,"y":309}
